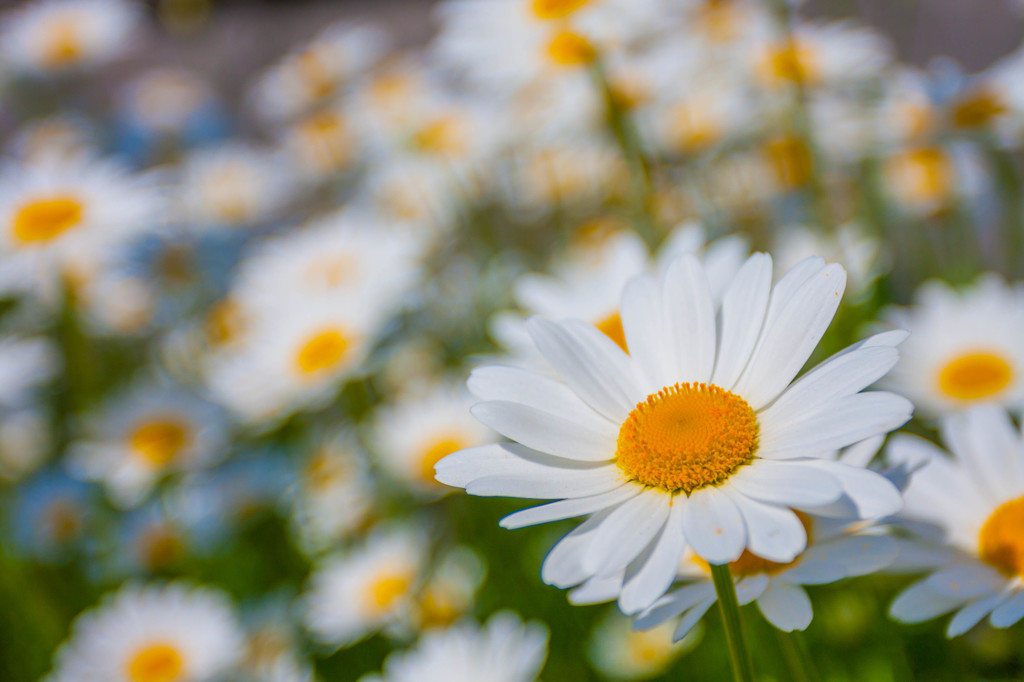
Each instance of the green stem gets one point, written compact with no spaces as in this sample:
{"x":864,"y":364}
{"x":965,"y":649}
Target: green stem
{"x":1008,"y":181}
{"x":742,"y":666}
{"x":794,"y":650}
{"x":642,"y":195}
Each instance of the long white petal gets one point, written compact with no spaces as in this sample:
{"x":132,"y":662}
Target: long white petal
{"x":872,"y":495}
{"x":563,"y":566}
{"x":774,"y":533}
{"x":714,"y":526}
{"x":648,"y":341}
{"x":970,"y":615}
{"x":790,"y":484}
{"x":786,"y":606}
{"x":626,"y":533}
{"x":691,"y":618}
{"x":1009,"y":612}
{"x":917,"y":604}
{"x":656,"y":571}
{"x":690,"y":315}
{"x":545,"y":432}
{"x":674,"y":603}
{"x":742,"y":315}
{"x":570,"y":508}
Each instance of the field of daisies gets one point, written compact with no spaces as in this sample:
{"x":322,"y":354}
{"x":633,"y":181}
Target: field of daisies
{"x":592,"y":340}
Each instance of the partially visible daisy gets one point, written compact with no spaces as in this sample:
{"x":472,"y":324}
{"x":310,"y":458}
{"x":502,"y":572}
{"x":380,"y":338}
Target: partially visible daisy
{"x":697,"y":438}
{"x":143,"y":434}
{"x":152,"y":633}
{"x":448,"y":593}
{"x":50,"y":514}
{"x":504,"y":650}
{"x":976,"y":498}
{"x":149,"y":541}
{"x":51,"y":36}
{"x":621,"y":652}
{"x":963,"y":348}
{"x":26,"y":438}
{"x":272,"y":648}
{"x":59,"y":136}
{"x":416,"y":431}
{"x":321,"y":145}
{"x":354,"y":594}
{"x":859,"y":252}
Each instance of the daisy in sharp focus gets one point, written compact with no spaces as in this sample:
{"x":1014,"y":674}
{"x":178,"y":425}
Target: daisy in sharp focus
{"x":976,"y":498}
{"x":154,"y":633}
{"x":503,"y":650}
{"x":143,"y":434}
{"x":697,"y":438}
{"x":52,"y":36}
{"x":369,"y":587}
{"x":964,"y":347}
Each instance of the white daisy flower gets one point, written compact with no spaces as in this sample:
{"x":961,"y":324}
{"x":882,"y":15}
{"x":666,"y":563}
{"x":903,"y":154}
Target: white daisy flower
{"x":976,"y":498}
{"x":164,"y":100}
{"x":322,"y":145}
{"x":698,"y":438}
{"x":848,"y":244}
{"x":964,"y":346}
{"x":420,"y":428}
{"x":503,"y":650}
{"x":232,"y":185}
{"x":369,"y":587}
{"x":57,"y":210}
{"x":449,"y":591}
{"x":50,"y":36}
{"x":334,"y":494}
{"x":621,"y":652}
{"x":60,"y":136}
{"x":172,"y":633}
{"x":143,"y":434}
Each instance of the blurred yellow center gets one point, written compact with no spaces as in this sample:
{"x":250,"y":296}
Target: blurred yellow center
{"x":160,"y":441}
{"x":687,"y":436}
{"x":435,"y":451}
{"x":556,"y":9}
{"x":978,"y":109}
{"x":975,"y":376}
{"x":64,"y":519}
{"x":611,"y":327}
{"x":225,"y":322}
{"x":791,"y":159}
{"x":317,"y":76}
{"x":792,"y":62}
{"x":156,"y":663}
{"x":570,"y":49}
{"x":694,"y":127}
{"x":322,"y":351}
{"x":45,"y":219}
{"x":718,"y":20}
{"x":924,"y":174}
{"x":650,"y":648}
{"x":442,"y":136}
{"x":160,"y":548}
{"x":387,"y":590}
{"x":1001,"y":541}
{"x":63,"y":46}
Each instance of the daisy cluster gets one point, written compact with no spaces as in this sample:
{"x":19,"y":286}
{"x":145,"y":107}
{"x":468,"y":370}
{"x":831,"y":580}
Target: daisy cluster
{"x":731,"y":291}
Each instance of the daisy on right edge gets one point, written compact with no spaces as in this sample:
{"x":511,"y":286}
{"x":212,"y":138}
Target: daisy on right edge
{"x":697,"y":438}
{"x":976,"y":498}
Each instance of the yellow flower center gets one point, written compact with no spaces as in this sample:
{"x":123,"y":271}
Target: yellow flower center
{"x":650,"y":648}
{"x":314,"y":72}
{"x":978,"y":109}
{"x":441,"y":137}
{"x":694,"y":127}
{"x":63,"y":46}
{"x":387,"y":591}
{"x":322,"y":351}
{"x":555,"y":9}
{"x":567,"y":48}
{"x":436,"y":451}
{"x":687,"y":436}
{"x":975,"y":376}
{"x":791,"y":61}
{"x":156,"y":663}
{"x":791,"y":159}
{"x":160,"y":548}
{"x":924,"y":174}
{"x":225,"y":323}
{"x":160,"y":441}
{"x":611,"y":327}
{"x":1001,"y":541}
{"x":719,"y":20}
{"x":45,"y":219}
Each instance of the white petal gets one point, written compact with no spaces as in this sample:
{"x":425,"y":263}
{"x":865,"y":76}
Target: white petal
{"x":860,"y":454}
{"x":646,"y":337}
{"x":654,"y":574}
{"x":674,"y":603}
{"x":690,"y":316}
{"x":626,"y":533}
{"x":597,"y":590}
{"x":873,"y":496}
{"x":750,"y":588}
{"x":590,"y":363}
{"x":714,"y":527}
{"x":985,"y":440}
{"x":1009,"y":612}
{"x":834,"y":425}
{"x":690,"y":619}
{"x":855,"y":554}
{"x":563,"y":566}
{"x":743,"y":309}
{"x":793,"y":326}
{"x":518,"y":385}
{"x":790,"y":484}
{"x":918,"y":603}
{"x":970,"y":615}
{"x":545,"y":432}
{"x":774,"y":533}
{"x":570,"y":508}
{"x":965,"y":581}
{"x":785,"y":606}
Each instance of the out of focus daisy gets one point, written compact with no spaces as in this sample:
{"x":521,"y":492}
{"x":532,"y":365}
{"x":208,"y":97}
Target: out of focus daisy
{"x":859,"y":252}
{"x":672,"y":446}
{"x":976,"y":498}
{"x":504,"y":650}
{"x":448,"y":593}
{"x":54,"y":210}
{"x":25,"y":365}
{"x":150,"y":542}
{"x":58,"y":136}
{"x":963,"y":347}
{"x":232,"y":185}
{"x":143,"y":434}
{"x":152,"y":634}
{"x":333,"y":496}
{"x":51,"y":36}
{"x":25,"y":440}
{"x":416,"y":431}
{"x":322,"y":144}
{"x":272,"y":647}
{"x":621,"y":652}
{"x":50,"y":514}
{"x":371,"y":586}
{"x":316,"y":71}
